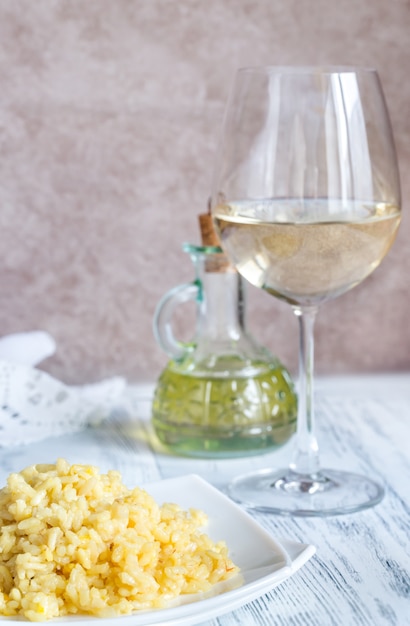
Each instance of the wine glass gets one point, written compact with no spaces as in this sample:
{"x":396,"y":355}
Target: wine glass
{"x":306,"y":201}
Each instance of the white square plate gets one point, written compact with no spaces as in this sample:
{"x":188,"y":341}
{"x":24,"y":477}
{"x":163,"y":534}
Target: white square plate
{"x":264,"y":562}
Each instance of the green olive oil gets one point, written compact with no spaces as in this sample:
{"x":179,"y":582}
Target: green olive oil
{"x":212,"y":415}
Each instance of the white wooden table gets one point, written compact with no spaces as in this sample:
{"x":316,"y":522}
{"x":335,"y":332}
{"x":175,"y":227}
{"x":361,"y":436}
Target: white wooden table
{"x":360,"y":574}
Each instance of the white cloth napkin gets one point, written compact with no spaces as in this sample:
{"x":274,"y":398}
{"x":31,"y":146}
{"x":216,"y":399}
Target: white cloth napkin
{"x":34,"y":405}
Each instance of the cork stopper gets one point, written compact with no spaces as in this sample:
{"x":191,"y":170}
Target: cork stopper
{"x":208,"y":234}
{"x":209,"y":237}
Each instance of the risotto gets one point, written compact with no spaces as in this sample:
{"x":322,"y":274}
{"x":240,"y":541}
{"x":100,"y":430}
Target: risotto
{"x":74,"y":541}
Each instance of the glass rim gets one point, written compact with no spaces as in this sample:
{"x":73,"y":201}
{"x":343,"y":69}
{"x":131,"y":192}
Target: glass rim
{"x":307,"y":69}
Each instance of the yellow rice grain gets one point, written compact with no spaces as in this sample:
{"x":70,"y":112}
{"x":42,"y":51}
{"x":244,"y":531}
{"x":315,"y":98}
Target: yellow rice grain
{"x":74,"y":541}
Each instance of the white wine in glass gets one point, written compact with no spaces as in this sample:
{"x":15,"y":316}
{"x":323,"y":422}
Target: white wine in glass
{"x":306,"y":200}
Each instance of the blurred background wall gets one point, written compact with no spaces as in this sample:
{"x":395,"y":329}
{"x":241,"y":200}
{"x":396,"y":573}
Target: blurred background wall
{"x":109,"y":119}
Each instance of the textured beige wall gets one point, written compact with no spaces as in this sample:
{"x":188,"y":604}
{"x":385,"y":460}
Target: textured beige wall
{"x":109,"y":114}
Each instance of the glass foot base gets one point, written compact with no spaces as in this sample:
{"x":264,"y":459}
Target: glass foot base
{"x":330,"y":492}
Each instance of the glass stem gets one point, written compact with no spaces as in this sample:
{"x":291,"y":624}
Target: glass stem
{"x":305,"y":460}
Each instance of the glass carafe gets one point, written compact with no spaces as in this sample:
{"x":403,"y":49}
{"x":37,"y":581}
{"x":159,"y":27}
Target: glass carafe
{"x":221,"y":394}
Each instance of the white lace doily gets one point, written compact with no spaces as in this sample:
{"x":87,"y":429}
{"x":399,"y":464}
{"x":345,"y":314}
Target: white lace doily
{"x":34,"y":405}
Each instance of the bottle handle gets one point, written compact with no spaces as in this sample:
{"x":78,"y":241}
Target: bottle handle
{"x":162,"y":323}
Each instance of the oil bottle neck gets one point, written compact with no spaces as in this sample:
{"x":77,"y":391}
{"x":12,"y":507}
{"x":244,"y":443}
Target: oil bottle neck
{"x":221,"y":306}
